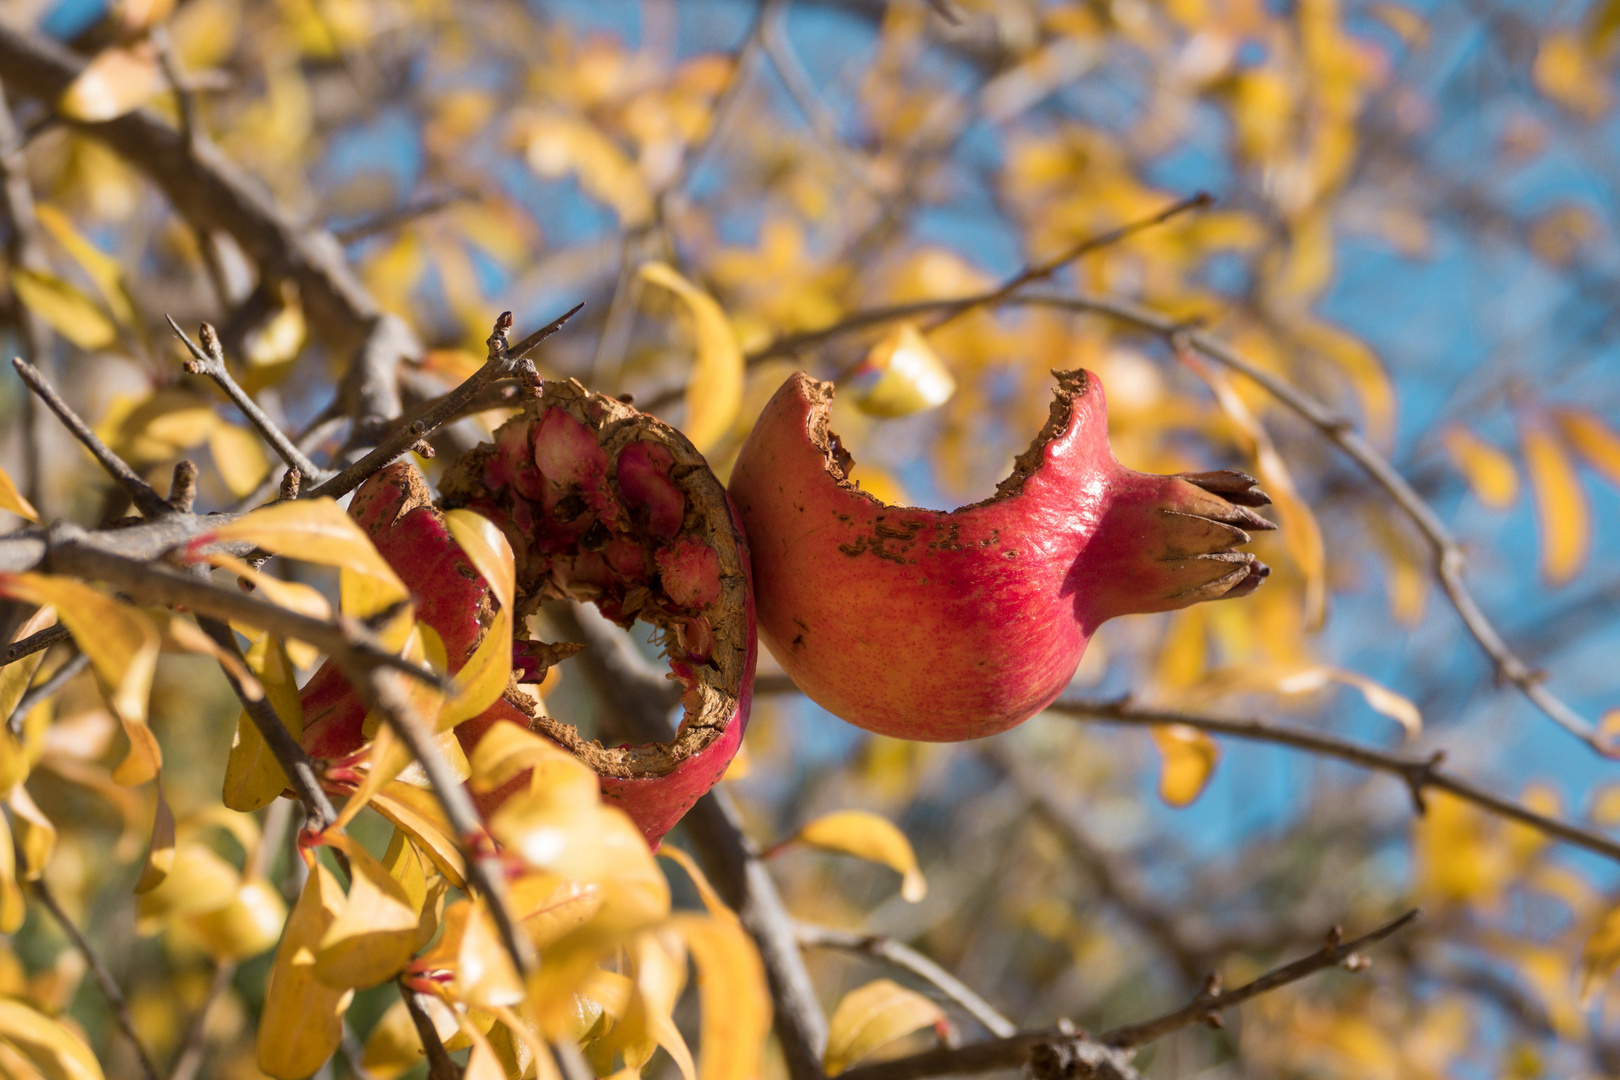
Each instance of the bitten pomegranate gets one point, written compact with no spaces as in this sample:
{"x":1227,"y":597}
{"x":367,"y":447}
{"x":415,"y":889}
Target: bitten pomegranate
{"x":944,"y":626}
{"x":603,"y":504}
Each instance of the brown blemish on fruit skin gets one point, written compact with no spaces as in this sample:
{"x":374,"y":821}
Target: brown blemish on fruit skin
{"x":713,"y":687}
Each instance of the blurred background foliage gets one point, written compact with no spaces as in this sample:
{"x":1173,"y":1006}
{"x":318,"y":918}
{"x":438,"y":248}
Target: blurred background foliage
{"x":1414,"y":221}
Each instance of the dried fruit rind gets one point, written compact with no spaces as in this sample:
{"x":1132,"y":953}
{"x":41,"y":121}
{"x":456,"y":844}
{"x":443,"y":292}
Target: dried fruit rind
{"x":942,"y":626}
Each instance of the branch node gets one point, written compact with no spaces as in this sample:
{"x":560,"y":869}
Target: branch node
{"x":183,"y":488}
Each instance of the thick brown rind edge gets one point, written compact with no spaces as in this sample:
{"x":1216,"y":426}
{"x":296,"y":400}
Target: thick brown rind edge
{"x":1071,"y":386}
{"x":712,"y":702}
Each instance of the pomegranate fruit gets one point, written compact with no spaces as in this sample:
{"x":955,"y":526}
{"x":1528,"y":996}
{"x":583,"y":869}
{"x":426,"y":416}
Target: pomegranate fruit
{"x":602,"y":504}
{"x":943,"y":626}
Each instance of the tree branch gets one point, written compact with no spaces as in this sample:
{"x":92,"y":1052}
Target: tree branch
{"x":33,"y":643}
{"x":1419,"y":773}
{"x":904,"y":956}
{"x":103,"y":977}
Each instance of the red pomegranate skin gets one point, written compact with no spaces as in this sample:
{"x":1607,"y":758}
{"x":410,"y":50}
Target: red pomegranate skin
{"x":944,"y":626}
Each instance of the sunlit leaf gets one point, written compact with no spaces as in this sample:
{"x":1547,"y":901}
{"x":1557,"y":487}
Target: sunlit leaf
{"x":46,"y":1044}
{"x":419,"y":814}
{"x":293,"y":595}
{"x":313,"y":530}
{"x":394,"y":1047}
{"x":714,"y":391}
{"x":36,"y":835}
{"x":117,"y":80}
{"x":68,"y":311}
{"x":1596,"y":442}
{"x":302,"y":1021}
{"x":11,"y":499}
{"x":733,"y":996}
{"x":253,"y":776}
{"x":1188,"y":761}
{"x":507,"y":750}
{"x":13,"y":908}
{"x":197,"y":881}
{"x":246,"y":926}
{"x":867,"y":836}
{"x":120,"y":640}
{"x":160,"y":852}
{"x":1567,"y":72}
{"x":240,"y":457}
{"x":1562,"y":518}
{"x":104,"y":269}
{"x":483,"y":678}
{"x":1601,"y":954}
{"x":872,"y":1017}
{"x":279,"y":338}
{"x":375,"y":931}
{"x":1490,"y":472}
{"x":470,"y":948}
{"x":901,"y":375}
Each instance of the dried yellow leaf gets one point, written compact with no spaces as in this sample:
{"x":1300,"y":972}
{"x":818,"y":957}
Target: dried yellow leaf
{"x":714,"y":390}
{"x":868,"y":836}
{"x":873,"y":1016}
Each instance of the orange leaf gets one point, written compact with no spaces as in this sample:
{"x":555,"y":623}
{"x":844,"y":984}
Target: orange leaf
{"x":1189,"y":758}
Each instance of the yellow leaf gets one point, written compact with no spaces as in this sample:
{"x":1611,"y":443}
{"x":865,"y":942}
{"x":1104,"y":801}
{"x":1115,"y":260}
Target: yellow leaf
{"x":246,"y":926}
{"x":1306,"y":680}
{"x":1561,"y":513}
{"x":278,"y":339}
{"x":1601,"y":955}
{"x":239,"y":455}
{"x":735,"y":1002}
{"x":120,"y":641}
{"x":160,"y":852}
{"x":11,"y":499}
{"x":393,"y":1047}
{"x":1458,"y":853}
{"x":486,"y":547}
{"x":302,"y":1021}
{"x":48,"y":1045}
{"x":419,"y":814}
{"x":253,"y":776}
{"x":198,"y":881}
{"x":484,"y":677}
{"x":507,"y":750}
{"x":1489,"y":472}
{"x":293,"y":595}
{"x":901,"y":375}
{"x":714,"y":391}
{"x":1593,"y":440}
{"x":117,"y":80}
{"x":144,"y":759}
{"x":470,"y":947}
{"x":69,"y":312}
{"x":1365,"y":371}
{"x":13,"y":908}
{"x":36,"y":836}
{"x":104,"y":269}
{"x":315,"y":531}
{"x":873,"y":1016}
{"x":15,"y":678}
{"x":1569,"y":74}
{"x":868,"y":836}
{"x":1189,"y":758}
{"x":375,"y":931}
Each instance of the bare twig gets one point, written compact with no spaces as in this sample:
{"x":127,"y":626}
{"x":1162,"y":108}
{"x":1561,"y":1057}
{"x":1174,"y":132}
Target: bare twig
{"x":209,"y":359}
{"x":640,"y":698}
{"x":904,"y":956}
{"x":103,"y":977}
{"x":59,"y":678}
{"x":33,"y":643}
{"x":440,"y":1067}
{"x":400,"y":215}
{"x":148,"y":501}
{"x":1032,"y":1048}
{"x":188,"y":1059}
{"x":503,"y":362}
{"x":1334,"y":953}
{"x":1419,"y":773}
{"x":289,"y":755}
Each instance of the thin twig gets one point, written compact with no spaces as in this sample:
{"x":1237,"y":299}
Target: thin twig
{"x":59,"y":678}
{"x":103,"y":977}
{"x":1334,"y":953}
{"x":503,"y":362}
{"x":400,"y":215}
{"x":33,"y":643}
{"x":904,"y":956}
{"x":440,"y":1067}
{"x":148,"y":501}
{"x":209,"y":359}
{"x":1419,"y":773}
{"x":188,"y":1059}
{"x":294,"y":762}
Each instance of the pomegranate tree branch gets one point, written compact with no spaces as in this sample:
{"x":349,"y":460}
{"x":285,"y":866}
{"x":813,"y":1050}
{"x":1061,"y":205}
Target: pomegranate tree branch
{"x":103,"y":977}
{"x":288,"y":753}
{"x":33,"y":643}
{"x":440,"y":1067}
{"x":503,"y":362}
{"x":1064,"y":1053}
{"x":640,"y":699}
{"x":905,"y":957}
{"x":188,"y":1059}
{"x":148,"y":501}
{"x":36,"y":694}
{"x":1335,"y":952}
{"x":209,"y":359}
{"x":1419,"y":773}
